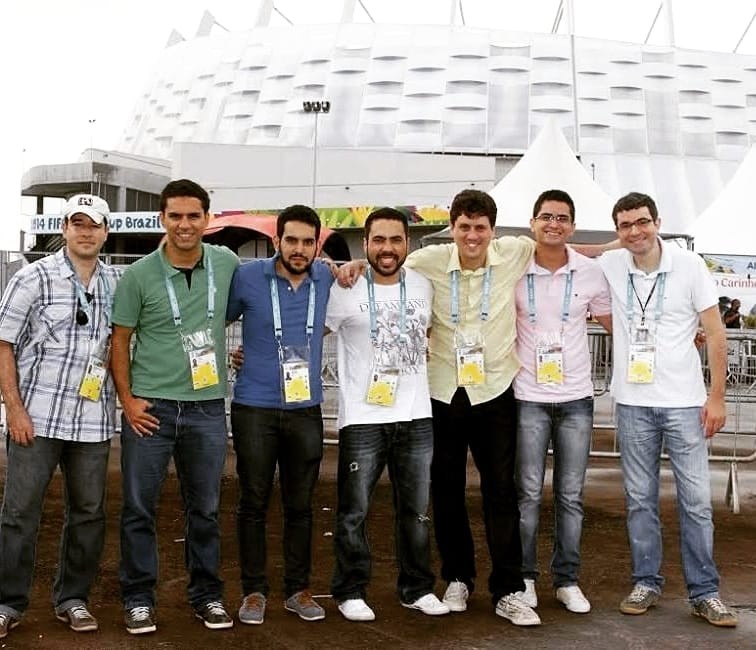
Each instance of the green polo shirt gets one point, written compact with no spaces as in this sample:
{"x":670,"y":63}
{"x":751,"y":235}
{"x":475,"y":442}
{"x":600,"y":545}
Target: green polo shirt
{"x":159,"y":363}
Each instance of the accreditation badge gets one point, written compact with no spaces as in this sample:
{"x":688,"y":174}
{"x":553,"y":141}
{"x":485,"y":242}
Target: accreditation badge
{"x":295,"y":374}
{"x":383,"y":385}
{"x":549,"y":364}
{"x":470,"y":354}
{"x":641,"y":361}
{"x":200,"y":349}
{"x":96,"y":370}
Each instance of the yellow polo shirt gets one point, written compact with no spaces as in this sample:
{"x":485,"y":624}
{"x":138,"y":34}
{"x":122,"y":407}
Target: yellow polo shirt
{"x":508,"y":258}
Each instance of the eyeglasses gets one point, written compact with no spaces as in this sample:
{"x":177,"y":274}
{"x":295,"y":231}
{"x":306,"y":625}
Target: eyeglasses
{"x":81,"y":315}
{"x":559,"y":218}
{"x":639,"y":223}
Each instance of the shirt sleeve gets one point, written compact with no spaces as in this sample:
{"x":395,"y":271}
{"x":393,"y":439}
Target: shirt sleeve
{"x":335,"y":309}
{"x":601,"y":303}
{"x":127,"y":302}
{"x":428,"y":260}
{"x":16,"y":307}
{"x":235,"y":306}
{"x":704,"y":287}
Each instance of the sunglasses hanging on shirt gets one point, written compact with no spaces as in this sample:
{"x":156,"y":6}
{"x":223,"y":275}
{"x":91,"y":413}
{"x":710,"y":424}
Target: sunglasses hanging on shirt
{"x":81,"y":315}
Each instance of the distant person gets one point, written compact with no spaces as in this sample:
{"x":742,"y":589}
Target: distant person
{"x":275,"y":414}
{"x":732,"y":318}
{"x":554,"y":391}
{"x":660,"y":293}
{"x":384,"y":418}
{"x":60,"y":408}
{"x":173,"y":304}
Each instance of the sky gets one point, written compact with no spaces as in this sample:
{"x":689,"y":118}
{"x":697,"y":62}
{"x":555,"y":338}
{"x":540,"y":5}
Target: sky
{"x":78,"y":66}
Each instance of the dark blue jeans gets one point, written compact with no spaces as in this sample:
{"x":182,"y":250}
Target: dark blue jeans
{"x":489,"y":430}
{"x":568,"y":426}
{"x":194,"y":435}
{"x":292,"y":440}
{"x":364,"y":450}
{"x":84,"y":466}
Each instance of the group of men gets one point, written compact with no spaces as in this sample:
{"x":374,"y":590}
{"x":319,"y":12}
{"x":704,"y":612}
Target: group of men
{"x":504,"y":374}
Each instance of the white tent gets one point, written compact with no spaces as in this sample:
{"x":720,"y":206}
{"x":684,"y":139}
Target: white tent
{"x":548,"y":164}
{"x":726,"y":226}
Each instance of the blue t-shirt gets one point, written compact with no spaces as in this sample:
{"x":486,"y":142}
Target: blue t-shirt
{"x":258,"y":382}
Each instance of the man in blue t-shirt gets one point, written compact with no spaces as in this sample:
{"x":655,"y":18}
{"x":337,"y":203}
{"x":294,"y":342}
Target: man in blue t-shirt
{"x":275,"y":414}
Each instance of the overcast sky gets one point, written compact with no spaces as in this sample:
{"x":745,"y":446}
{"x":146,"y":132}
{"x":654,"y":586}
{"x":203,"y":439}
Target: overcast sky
{"x":72,"y":61}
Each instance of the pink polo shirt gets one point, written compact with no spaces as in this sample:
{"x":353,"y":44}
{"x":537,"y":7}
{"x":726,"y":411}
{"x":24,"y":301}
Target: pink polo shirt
{"x":590,"y":293}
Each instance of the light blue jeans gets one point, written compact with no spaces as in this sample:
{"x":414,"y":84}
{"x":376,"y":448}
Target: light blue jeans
{"x":568,"y":425}
{"x":642,"y":430}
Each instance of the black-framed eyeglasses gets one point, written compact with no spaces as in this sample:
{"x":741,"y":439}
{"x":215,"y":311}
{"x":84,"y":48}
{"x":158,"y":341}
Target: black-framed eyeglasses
{"x":627,"y":226}
{"x":81,"y":315}
{"x":559,"y":218}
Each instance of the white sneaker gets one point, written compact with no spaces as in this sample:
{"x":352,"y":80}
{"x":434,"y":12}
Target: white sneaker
{"x":516,"y":611}
{"x":456,"y":596}
{"x":429,"y":605}
{"x":356,"y":609}
{"x":529,"y":596}
{"x":573,"y":599}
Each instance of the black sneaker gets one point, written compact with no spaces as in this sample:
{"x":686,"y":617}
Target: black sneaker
{"x":79,"y":618}
{"x":140,"y":620}
{"x":214,"y":615}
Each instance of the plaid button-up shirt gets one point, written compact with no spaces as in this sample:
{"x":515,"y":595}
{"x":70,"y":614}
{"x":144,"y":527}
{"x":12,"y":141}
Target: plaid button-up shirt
{"x":38,"y":317}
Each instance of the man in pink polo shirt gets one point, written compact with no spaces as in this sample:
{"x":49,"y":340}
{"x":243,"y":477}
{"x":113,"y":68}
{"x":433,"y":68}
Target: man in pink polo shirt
{"x":554,"y":391}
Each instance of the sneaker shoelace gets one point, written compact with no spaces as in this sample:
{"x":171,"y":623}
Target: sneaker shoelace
{"x":215,"y":608}
{"x":140,"y":613}
{"x":637,"y":594}
{"x":716,"y":605}
{"x":79,"y":611}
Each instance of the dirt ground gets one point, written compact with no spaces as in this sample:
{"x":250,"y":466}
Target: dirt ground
{"x":605,"y":580}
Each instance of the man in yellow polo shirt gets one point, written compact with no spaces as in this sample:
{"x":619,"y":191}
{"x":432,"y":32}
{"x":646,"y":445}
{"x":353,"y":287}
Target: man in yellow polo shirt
{"x":470,"y":370}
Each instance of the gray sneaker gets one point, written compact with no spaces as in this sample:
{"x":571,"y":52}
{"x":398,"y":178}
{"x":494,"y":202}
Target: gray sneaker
{"x":214,"y":615}
{"x":79,"y":619}
{"x":304,"y":606}
{"x":7,"y":623}
{"x":639,"y":600}
{"x":140,"y":620}
{"x":252,"y":610}
{"x":715,"y":612}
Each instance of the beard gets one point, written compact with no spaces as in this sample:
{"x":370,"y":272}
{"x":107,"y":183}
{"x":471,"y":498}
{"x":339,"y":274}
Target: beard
{"x":375,"y":264}
{"x":294,"y":270}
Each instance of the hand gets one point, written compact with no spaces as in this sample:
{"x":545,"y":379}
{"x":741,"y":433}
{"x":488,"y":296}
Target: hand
{"x":699,"y":340}
{"x":350,"y":272}
{"x":713,"y":415}
{"x":236,"y":358}
{"x":20,"y":426}
{"x":143,"y":423}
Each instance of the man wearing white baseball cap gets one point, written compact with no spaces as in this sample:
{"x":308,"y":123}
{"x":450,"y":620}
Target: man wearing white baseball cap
{"x":60,"y":406}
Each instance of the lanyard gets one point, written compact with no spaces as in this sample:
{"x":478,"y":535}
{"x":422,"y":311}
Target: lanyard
{"x":81,"y":295}
{"x":371,"y":304}
{"x":277,"y":326}
{"x":455,"y":296}
{"x":659,"y":281}
{"x":565,"y":301}
{"x":210,"y":294}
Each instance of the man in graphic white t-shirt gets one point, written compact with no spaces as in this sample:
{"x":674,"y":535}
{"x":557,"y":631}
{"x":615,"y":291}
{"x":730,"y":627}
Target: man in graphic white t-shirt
{"x":384,"y":417}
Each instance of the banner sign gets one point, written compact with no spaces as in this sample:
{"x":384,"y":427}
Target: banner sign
{"x":334,"y":218}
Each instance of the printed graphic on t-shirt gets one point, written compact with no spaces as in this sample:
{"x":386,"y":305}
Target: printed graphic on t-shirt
{"x":390,"y":347}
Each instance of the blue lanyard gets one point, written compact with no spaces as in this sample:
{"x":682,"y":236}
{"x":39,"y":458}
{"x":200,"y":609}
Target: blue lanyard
{"x":81,"y":294}
{"x":565,"y":301}
{"x":277,"y":326}
{"x":210,"y":294}
{"x":485,"y":300}
{"x":371,"y":304}
{"x":658,"y":283}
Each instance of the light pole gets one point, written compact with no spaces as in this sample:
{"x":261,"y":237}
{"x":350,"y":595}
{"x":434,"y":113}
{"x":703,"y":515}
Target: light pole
{"x":318,"y":107}
{"x":91,"y":154}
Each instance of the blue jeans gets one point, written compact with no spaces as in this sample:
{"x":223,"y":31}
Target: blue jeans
{"x":293,"y":440}
{"x":489,"y":430}
{"x":84,"y":466}
{"x":194,"y":435}
{"x":642,"y":431}
{"x":364,"y":450}
{"x":568,"y":426}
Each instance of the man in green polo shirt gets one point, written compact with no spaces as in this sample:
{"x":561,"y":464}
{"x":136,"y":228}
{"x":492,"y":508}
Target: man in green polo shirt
{"x":172,"y":303}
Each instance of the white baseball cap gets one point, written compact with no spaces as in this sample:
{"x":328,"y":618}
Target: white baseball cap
{"x":93,"y":206}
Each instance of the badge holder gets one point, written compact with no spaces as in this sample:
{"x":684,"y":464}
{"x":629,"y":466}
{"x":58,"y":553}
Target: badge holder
{"x":550,"y":359}
{"x":470,"y":356}
{"x":96,"y":371}
{"x":641,"y":361}
{"x":200,"y":349}
{"x":295,"y":373}
{"x":384,"y":381}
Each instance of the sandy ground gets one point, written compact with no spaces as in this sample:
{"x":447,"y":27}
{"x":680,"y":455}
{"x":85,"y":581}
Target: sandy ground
{"x":605,"y":580}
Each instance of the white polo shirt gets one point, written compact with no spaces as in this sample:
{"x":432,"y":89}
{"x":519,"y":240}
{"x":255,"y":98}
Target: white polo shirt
{"x":689,"y":289}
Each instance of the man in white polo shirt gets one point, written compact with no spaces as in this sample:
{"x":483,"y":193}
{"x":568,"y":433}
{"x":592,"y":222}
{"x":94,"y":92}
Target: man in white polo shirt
{"x":660,"y":294}
{"x":554,"y":390}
